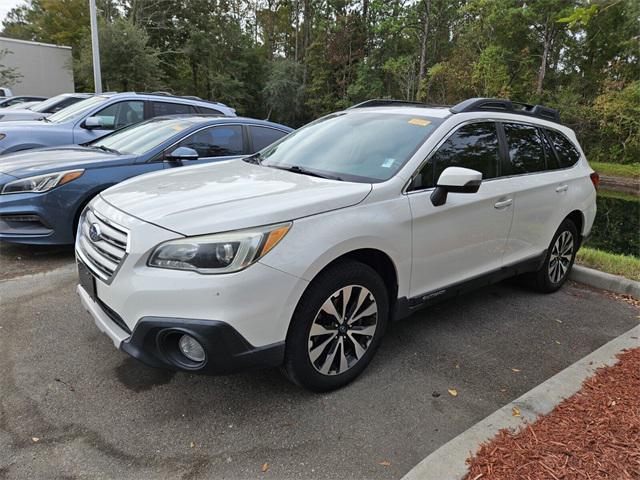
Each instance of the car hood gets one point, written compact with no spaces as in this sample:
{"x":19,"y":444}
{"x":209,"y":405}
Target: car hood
{"x":44,"y":160}
{"x":229,"y":195}
{"x":20,"y":126}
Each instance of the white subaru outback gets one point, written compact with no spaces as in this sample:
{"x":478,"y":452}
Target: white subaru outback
{"x":300,"y":255}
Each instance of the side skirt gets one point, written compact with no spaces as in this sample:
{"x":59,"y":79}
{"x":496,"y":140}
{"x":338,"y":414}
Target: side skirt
{"x":406,"y":306}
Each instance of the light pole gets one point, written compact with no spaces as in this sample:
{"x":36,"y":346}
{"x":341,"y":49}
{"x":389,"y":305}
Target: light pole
{"x":95,"y":47}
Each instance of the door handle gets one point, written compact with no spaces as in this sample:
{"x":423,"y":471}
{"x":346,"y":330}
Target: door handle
{"x":503,"y":203}
{"x":562,"y":188}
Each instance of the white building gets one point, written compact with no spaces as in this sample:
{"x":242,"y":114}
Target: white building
{"x":45,"y":68}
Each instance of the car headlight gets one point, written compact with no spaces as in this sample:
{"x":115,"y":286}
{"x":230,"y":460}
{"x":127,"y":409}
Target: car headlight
{"x":41,"y":183}
{"x":219,"y":253}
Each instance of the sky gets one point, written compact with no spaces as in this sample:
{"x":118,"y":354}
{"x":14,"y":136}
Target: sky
{"x":6,"y":5}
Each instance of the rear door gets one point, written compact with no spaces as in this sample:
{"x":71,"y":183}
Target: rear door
{"x":465,"y":237}
{"x":262,"y":136}
{"x":539,"y":189}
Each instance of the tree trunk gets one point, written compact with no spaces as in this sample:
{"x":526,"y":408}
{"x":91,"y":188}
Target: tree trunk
{"x":549,"y":35}
{"x":423,"y":40}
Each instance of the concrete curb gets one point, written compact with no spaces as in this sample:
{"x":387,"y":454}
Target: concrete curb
{"x":448,"y":462}
{"x":605,"y":281}
{"x":33,"y":284}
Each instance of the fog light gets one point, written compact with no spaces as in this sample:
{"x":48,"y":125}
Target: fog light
{"x":191,"y":348}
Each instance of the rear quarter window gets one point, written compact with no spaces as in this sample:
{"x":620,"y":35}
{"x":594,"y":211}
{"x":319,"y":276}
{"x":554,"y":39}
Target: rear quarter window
{"x":567,"y":153}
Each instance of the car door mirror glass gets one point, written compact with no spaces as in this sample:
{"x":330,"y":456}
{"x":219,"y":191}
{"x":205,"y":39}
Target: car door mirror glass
{"x":182,"y":153}
{"x":455,"y":180}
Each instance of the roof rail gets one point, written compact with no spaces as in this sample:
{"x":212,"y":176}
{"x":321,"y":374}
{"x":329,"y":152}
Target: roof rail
{"x":504,"y":105}
{"x":383,"y":102}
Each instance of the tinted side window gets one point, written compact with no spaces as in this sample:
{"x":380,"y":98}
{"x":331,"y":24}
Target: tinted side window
{"x":121,"y":114}
{"x":165,"y":108}
{"x":210,"y":111}
{"x":216,"y":141}
{"x":263,"y":136}
{"x":526,"y":153}
{"x":64,"y":103}
{"x":568,"y":154}
{"x":472,"y":146}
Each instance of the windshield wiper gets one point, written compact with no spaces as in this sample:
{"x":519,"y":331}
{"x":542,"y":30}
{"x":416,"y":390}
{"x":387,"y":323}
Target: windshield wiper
{"x":45,"y":119}
{"x":106,"y":149}
{"x":255,"y":158}
{"x":304,"y":171}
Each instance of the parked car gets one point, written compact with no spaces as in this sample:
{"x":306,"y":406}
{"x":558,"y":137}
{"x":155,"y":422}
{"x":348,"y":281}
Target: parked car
{"x":300,"y":255}
{"x":98,"y":115}
{"x":42,"y":192}
{"x":18,"y":106}
{"x":8,"y":101}
{"x":42,"y":109}
{"x":5,"y":92}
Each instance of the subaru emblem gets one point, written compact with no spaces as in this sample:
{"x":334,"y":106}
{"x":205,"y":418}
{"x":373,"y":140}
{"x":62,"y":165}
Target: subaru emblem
{"x":94,"y":232}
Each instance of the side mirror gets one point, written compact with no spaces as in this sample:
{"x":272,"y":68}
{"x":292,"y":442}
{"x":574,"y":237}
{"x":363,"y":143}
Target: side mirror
{"x":182,"y":153}
{"x":456,"y":180}
{"x":93,"y":122}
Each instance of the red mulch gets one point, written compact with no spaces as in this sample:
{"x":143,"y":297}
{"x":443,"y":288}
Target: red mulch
{"x":595,"y":434}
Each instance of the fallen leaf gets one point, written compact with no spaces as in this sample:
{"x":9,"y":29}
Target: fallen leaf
{"x":515,"y":370}
{"x":265,"y":467}
{"x":385,"y":463}
{"x":36,"y":439}
{"x":192,"y":444}
{"x":558,"y":342}
{"x":515,"y":412}
{"x":453,"y":392}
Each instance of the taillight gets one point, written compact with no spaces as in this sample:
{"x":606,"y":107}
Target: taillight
{"x":595,"y":179}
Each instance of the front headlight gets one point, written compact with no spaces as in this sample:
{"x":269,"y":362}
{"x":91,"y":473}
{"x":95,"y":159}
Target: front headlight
{"x":220,"y":252}
{"x":41,"y":183}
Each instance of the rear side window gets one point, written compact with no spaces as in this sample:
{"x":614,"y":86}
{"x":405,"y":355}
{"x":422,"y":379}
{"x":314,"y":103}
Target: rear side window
{"x":526,"y":153}
{"x":216,"y":141}
{"x":263,"y":136}
{"x":568,"y":154}
{"x":210,"y":111}
{"x":165,"y":108}
{"x":473,"y":146}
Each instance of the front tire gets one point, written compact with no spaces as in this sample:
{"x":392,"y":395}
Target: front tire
{"x":336,"y":327}
{"x":559,"y":260}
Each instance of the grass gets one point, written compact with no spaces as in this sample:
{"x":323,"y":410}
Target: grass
{"x":625,"y":265}
{"x":631,"y":170}
{"x":619,"y":195}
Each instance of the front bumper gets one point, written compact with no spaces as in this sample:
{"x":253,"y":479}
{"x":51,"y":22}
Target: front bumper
{"x":154,"y":342}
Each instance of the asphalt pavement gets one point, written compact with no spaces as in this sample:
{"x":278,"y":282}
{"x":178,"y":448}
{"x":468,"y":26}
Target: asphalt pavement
{"x":71,"y":406}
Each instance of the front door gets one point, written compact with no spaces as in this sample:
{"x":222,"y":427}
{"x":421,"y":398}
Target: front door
{"x":465,"y":237}
{"x":213,"y":144}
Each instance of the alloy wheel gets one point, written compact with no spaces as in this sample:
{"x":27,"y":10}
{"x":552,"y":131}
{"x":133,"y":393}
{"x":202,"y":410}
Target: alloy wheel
{"x":342,"y":330}
{"x":560,"y":258}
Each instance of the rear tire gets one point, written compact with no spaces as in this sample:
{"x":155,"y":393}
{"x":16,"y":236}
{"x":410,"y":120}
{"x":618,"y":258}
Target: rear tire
{"x":336,"y":327}
{"x":559,"y":260}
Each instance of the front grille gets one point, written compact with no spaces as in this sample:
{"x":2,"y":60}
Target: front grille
{"x":105,"y":252}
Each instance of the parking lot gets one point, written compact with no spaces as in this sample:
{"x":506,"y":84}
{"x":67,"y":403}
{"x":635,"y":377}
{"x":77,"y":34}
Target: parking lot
{"x":74,"y":407}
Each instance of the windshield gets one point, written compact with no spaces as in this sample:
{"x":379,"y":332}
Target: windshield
{"x":140,"y":138}
{"x":355,"y":146}
{"x":77,"y":109}
{"x":46,"y":104}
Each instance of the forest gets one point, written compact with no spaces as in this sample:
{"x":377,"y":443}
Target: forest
{"x":295,"y":60}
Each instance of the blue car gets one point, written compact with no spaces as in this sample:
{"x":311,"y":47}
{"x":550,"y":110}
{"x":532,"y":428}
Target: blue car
{"x":43,"y":191}
{"x":98,"y":116}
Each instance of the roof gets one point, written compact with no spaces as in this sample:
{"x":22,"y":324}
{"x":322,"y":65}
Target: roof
{"x":220,"y":119}
{"x":39,"y":44}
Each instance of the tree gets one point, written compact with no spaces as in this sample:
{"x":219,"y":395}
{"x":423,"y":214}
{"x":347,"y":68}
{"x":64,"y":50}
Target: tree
{"x":127,"y":61}
{"x":8,"y":75}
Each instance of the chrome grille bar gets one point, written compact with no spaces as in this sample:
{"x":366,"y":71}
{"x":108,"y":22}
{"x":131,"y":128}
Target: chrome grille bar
{"x":104,"y":253}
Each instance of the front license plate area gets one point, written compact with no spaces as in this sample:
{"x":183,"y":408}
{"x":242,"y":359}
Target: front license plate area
{"x":87,"y":280}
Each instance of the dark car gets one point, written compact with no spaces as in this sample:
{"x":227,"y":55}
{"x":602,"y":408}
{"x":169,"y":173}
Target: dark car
{"x":43,"y":191}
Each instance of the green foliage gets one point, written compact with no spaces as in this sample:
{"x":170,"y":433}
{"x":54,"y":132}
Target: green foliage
{"x":127,"y":61}
{"x":631,"y":170}
{"x":616,"y":226}
{"x":296,"y":60}
{"x":8,"y":75}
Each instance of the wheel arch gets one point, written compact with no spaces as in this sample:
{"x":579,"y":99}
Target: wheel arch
{"x":577,"y":217}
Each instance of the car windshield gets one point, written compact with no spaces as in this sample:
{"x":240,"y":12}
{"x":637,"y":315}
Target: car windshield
{"x":354,"y":146}
{"x":77,"y":109}
{"x":46,"y":104}
{"x":140,"y":138}
{"x":22,"y":106}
